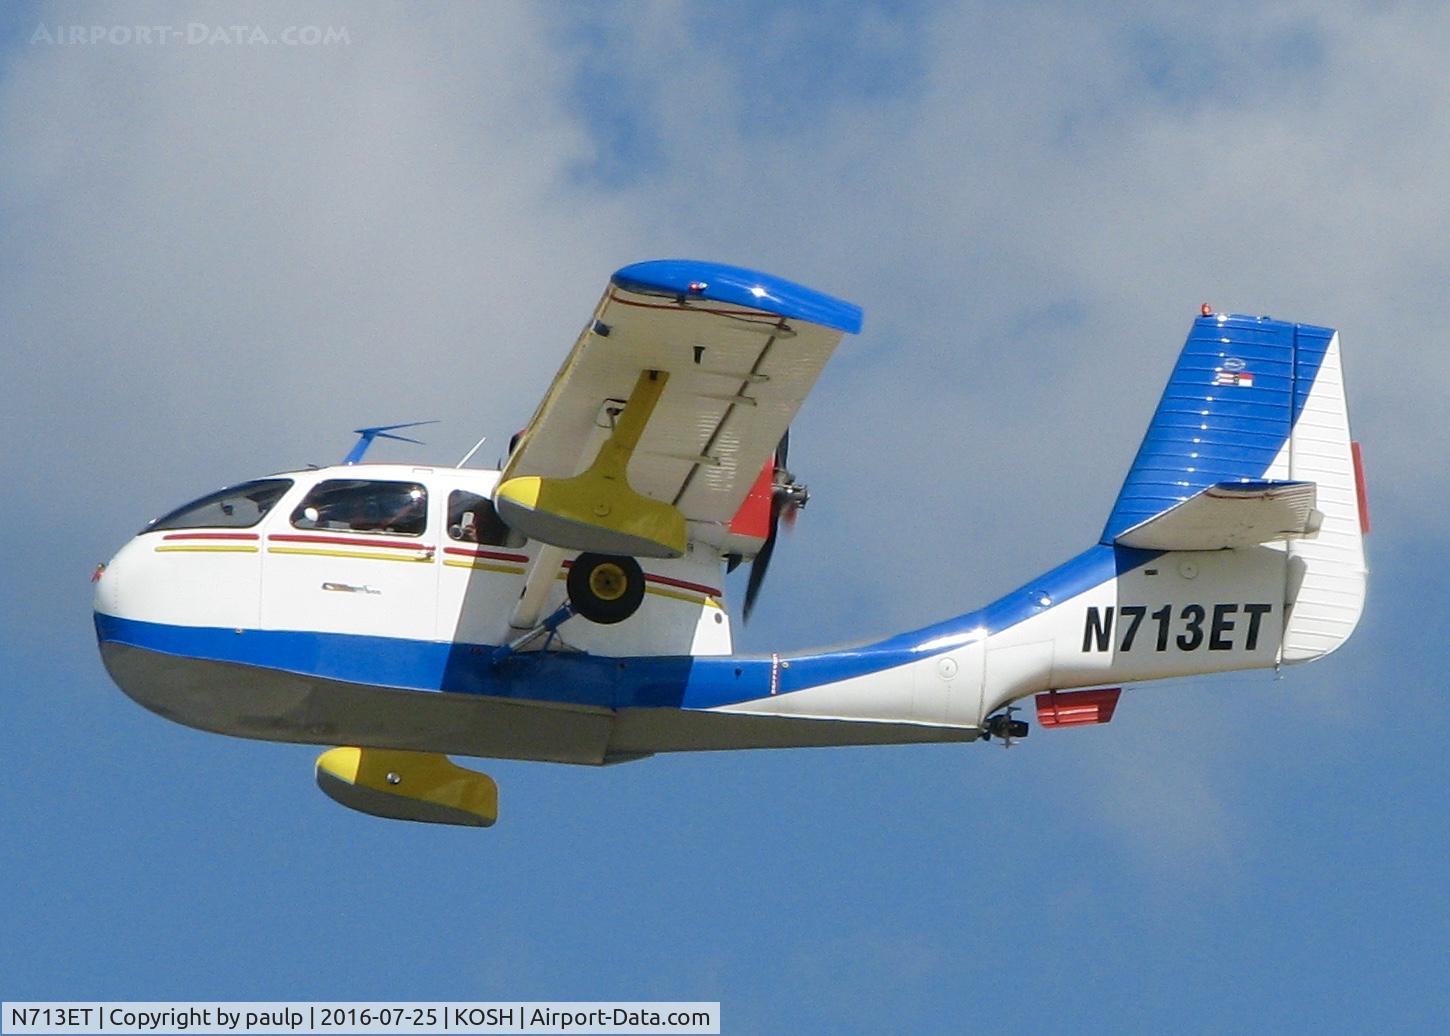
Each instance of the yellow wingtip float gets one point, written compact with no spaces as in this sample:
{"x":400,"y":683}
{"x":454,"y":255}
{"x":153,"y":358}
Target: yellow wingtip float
{"x":422,"y":786}
{"x":594,"y":512}
{"x":597,"y":510}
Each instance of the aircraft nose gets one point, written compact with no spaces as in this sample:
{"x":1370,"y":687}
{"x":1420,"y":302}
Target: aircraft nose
{"x":129,"y":590}
{"x":111,"y":578}
{"x":183,"y":578}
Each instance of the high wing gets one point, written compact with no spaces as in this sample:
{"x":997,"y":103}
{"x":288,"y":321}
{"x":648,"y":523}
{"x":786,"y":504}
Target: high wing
{"x":714,"y":361}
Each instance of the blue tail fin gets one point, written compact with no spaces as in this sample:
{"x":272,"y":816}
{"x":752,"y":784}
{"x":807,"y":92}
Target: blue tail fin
{"x":1226,"y":415}
{"x":1262,"y":402}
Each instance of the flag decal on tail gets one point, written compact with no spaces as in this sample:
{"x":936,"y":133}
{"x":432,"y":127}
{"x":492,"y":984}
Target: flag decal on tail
{"x":1237,"y":379}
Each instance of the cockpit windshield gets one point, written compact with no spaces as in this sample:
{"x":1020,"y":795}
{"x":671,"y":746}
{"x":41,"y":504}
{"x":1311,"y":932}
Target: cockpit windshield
{"x":364,"y":505}
{"x":236,"y":507}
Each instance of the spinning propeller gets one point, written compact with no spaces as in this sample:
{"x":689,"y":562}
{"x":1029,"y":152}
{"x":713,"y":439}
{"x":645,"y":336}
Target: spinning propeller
{"x":787,"y":498}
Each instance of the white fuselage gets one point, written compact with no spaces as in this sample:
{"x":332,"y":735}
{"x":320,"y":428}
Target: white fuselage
{"x":436,"y":586}
{"x":380,"y":605}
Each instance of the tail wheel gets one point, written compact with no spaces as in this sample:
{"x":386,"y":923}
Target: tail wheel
{"x":605,"y":588}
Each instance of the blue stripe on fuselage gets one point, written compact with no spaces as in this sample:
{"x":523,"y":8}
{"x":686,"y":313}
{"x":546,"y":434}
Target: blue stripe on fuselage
{"x":635,"y":682}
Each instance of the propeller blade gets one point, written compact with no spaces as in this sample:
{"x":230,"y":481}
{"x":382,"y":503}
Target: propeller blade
{"x":786,"y":500}
{"x":761,"y":563}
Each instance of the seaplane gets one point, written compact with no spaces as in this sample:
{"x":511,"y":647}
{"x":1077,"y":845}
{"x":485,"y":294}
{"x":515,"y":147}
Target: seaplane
{"x":569,"y":607}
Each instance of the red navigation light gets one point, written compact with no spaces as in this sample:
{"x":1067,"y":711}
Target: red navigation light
{"x":1206,"y":309}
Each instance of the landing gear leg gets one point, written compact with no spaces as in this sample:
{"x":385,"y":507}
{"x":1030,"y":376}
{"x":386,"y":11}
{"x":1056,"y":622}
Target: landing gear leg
{"x":604,"y":588}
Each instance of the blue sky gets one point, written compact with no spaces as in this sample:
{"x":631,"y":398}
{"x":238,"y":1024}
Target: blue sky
{"x":214,"y":261}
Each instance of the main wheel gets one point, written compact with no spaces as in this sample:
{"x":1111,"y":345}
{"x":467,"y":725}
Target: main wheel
{"x":605,"y":588}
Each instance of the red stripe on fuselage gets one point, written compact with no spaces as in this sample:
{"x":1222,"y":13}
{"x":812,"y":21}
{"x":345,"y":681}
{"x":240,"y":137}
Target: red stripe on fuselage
{"x":347,"y":541}
{"x":496,"y":555}
{"x":211,"y":536}
{"x":667,"y":581}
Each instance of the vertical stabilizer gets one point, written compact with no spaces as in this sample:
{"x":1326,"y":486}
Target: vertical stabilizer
{"x":1261,"y":401}
{"x":1225,"y":416}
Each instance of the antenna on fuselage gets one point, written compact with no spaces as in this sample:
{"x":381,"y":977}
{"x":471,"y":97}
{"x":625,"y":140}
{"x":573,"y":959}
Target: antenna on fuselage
{"x":382,"y":431}
{"x":469,"y":455}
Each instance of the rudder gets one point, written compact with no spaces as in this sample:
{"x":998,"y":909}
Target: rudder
{"x":1327,"y":573}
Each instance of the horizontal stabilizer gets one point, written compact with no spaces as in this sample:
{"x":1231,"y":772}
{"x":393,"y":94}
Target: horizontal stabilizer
{"x":1231,"y":514}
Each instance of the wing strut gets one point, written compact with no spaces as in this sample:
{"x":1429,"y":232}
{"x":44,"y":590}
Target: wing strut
{"x":537,"y":584}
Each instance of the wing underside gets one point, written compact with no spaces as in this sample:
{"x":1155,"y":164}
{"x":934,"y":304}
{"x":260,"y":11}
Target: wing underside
{"x":737,"y":352}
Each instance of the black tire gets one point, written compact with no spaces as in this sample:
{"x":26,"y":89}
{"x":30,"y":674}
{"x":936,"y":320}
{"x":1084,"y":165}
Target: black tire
{"x":605,"y":588}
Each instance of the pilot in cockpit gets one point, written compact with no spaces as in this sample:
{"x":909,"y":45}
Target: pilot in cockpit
{"x":466,"y":528}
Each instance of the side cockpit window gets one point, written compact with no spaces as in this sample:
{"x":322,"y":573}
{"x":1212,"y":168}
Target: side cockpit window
{"x":472,"y":519}
{"x":236,"y":507}
{"x":364,"y":505}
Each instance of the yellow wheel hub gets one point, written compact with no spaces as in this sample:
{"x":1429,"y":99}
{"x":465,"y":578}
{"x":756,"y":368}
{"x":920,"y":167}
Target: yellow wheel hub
{"x":608,"y":582}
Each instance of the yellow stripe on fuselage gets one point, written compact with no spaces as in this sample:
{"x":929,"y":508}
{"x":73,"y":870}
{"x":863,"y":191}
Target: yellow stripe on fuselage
{"x":708,"y":602}
{"x":486,"y":566}
{"x":230,"y":549}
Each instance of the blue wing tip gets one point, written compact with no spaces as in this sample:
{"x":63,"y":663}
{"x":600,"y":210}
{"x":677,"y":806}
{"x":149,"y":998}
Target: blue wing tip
{"x":690,"y":278}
